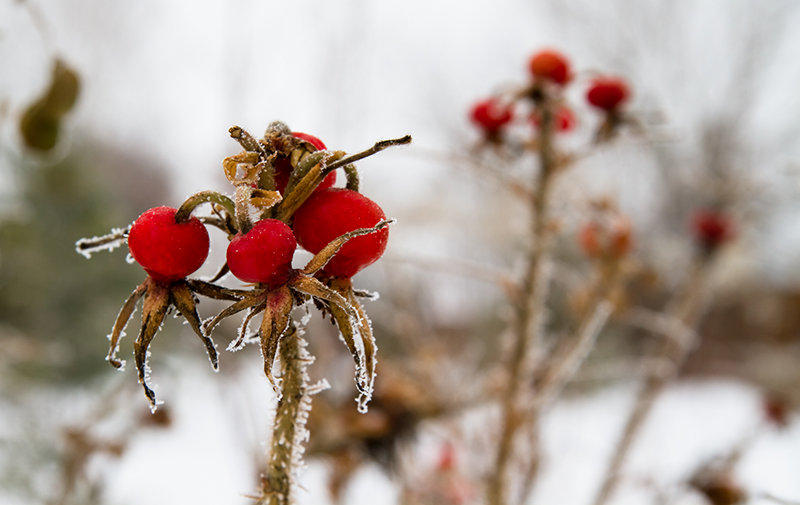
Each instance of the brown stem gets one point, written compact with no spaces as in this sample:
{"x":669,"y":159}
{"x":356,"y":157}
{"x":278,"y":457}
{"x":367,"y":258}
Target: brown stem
{"x":686,"y":310}
{"x":564,"y":364}
{"x":289,"y":431}
{"x":529,"y":312}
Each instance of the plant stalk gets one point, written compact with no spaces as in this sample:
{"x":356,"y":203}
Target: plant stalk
{"x":289,"y":431}
{"x":529,"y":314}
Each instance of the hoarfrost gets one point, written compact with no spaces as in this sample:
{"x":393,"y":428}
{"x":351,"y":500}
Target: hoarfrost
{"x":372,"y":296}
{"x":129,"y":259}
{"x":320,"y":386}
{"x":88,"y":246}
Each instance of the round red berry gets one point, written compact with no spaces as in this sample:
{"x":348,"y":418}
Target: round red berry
{"x":491,"y":115}
{"x":607,"y":93}
{"x":333,"y":212}
{"x":283,"y":168}
{"x":550,"y":65}
{"x":263,"y":254}
{"x":166,"y":249}
{"x":563,"y":121}
{"x":711,"y":228}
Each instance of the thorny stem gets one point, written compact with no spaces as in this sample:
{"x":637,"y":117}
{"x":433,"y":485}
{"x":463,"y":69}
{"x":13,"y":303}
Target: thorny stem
{"x":686,"y":311}
{"x":202,"y":197}
{"x":529,"y":312}
{"x":289,"y":430}
{"x":378,"y":147}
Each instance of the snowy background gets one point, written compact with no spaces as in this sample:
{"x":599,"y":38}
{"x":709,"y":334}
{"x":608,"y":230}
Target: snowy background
{"x":165,"y":80}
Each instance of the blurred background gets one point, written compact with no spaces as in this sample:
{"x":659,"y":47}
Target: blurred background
{"x":157,"y":84}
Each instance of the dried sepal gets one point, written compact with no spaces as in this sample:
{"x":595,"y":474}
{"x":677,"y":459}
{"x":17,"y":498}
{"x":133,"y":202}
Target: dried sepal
{"x":246,"y":159}
{"x":370,"y":347}
{"x":154,"y":308}
{"x":327,"y":253}
{"x":183,"y":299}
{"x":276,"y":319}
{"x":123,"y":317}
{"x":235,"y":308}
{"x":264,"y":199}
{"x":239,"y":342}
{"x":346,"y":318}
{"x":303,"y":181}
{"x":353,"y":181}
{"x":210,"y":290}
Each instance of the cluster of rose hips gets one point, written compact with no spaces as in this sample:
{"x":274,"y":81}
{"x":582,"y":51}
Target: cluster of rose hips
{"x":284,"y":196}
{"x":551,"y":73}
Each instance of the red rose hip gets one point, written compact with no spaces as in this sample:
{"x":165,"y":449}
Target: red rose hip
{"x":333,"y":212}
{"x":491,"y":115}
{"x":263,"y":254}
{"x":550,"y":65}
{"x":166,"y":249}
{"x":711,"y":228}
{"x":607,"y":93}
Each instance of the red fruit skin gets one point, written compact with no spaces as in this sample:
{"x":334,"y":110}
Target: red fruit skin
{"x":283,"y":168}
{"x":263,"y":254}
{"x":333,"y":212}
{"x":491,"y":115}
{"x":711,"y":228}
{"x":607,"y":93}
{"x":550,"y":65}
{"x":167,"y":250}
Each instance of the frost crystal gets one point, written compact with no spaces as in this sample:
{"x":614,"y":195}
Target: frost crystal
{"x":88,"y":246}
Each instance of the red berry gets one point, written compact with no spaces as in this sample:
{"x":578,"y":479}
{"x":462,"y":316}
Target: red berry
{"x":166,"y":249}
{"x":550,"y":65}
{"x":491,"y":115}
{"x":283,"y":168}
{"x":263,"y":254}
{"x":564,"y":120}
{"x":711,"y":228}
{"x":607,"y":93}
{"x":333,"y":212}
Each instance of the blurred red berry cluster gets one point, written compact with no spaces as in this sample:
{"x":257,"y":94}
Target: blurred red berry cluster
{"x":551,"y":73}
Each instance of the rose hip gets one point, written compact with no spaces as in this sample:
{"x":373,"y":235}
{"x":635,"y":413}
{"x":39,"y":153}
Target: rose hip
{"x":166,"y":249}
{"x":263,"y":254}
{"x":329,"y":213}
{"x":550,"y":65}
{"x":607,"y":93}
